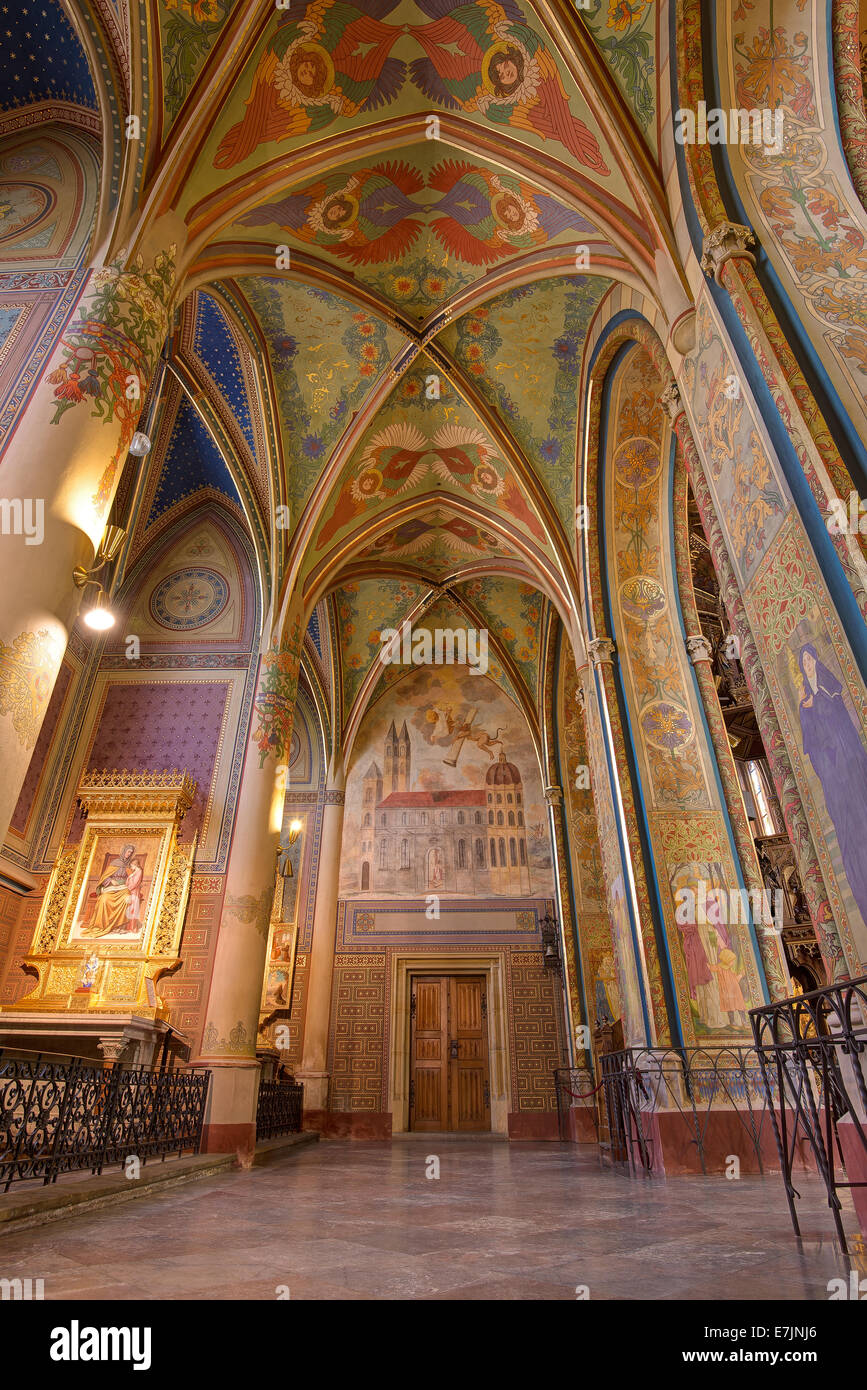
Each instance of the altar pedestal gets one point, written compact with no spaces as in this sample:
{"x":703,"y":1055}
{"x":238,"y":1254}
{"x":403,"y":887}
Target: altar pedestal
{"x":126,"y":1038}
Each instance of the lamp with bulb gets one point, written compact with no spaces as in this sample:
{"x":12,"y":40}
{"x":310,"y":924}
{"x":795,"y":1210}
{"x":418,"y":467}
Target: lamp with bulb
{"x":98,"y":615}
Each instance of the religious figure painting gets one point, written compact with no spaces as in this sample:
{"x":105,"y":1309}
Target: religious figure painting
{"x":835,"y":749}
{"x":115,"y":897}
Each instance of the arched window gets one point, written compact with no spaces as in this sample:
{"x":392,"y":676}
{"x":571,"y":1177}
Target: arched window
{"x":404,"y":854}
{"x":424,"y":817}
{"x":499,"y":818}
{"x":513,"y":853}
{"x":382,"y":819}
{"x":478,"y":817}
{"x":520,"y":817}
{"x":523,"y":848}
{"x":383,"y":855}
{"x":480,"y":854}
{"x":511,"y":817}
{"x":499,"y":798}
{"x":493,"y":854}
{"x":460,"y":817}
{"x":518,"y":798}
{"x":368,"y":793}
{"x":490,"y":818}
{"x":509,"y":797}
{"x":462,"y":855}
{"x":367,"y":820}
{"x":502,"y":853}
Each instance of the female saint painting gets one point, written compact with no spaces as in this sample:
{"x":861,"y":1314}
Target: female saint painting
{"x":833,"y":745}
{"x":113,"y":906}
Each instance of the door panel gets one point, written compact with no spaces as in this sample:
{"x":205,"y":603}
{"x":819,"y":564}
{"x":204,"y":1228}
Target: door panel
{"x":468,"y":1059}
{"x":428,"y":1041}
{"x":449,"y":1053}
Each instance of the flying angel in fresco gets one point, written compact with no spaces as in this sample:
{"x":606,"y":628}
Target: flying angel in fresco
{"x":483,"y":216}
{"x":365,"y":219}
{"x":482,"y":57}
{"x":333,"y":62}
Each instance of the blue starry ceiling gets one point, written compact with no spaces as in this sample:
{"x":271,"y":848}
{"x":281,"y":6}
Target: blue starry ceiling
{"x":215,"y":346}
{"x":313,"y":631}
{"x":192,"y":461}
{"x":41,"y":56}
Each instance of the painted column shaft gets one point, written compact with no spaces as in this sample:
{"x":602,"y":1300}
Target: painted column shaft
{"x":314,"y":1057}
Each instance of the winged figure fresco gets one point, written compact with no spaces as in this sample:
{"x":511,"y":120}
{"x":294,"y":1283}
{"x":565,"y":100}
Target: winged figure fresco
{"x":483,"y":216}
{"x":365,"y":218}
{"x":333,"y":62}
{"x":482,"y":57}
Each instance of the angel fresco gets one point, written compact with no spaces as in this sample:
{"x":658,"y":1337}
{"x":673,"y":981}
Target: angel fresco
{"x":482,"y":57}
{"x":365,"y":218}
{"x":333,"y":62}
{"x":483,"y":216}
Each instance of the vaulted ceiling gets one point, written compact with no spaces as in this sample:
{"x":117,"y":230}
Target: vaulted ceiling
{"x":396,"y":220}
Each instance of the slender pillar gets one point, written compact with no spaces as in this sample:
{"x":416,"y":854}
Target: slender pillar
{"x":313,"y":1072}
{"x":58,"y":476}
{"x":229,"y":1040}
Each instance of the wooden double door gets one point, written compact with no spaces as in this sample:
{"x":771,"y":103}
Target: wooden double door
{"x":449,"y":1080}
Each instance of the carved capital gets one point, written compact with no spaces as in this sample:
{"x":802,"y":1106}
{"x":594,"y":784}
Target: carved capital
{"x":728,"y":241}
{"x":700,"y":648}
{"x":670,"y":401}
{"x":554,"y":796}
{"x":601,"y":651}
{"x":113,"y":1049}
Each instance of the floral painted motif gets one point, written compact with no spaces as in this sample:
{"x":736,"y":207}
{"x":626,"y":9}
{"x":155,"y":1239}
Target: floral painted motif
{"x":27,"y":671}
{"x":626,"y":36}
{"x":115,"y":339}
{"x":188,"y":30}
{"x":274,"y":708}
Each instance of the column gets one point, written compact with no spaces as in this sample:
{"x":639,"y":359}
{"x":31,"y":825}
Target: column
{"x":313,"y":1071}
{"x":58,"y":476}
{"x":569,"y":979}
{"x":229,"y":1040}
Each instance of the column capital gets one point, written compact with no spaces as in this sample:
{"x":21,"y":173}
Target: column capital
{"x":554,"y":796}
{"x":728,"y":241}
{"x":700,"y":648}
{"x":113,"y":1048}
{"x":601,"y":651}
{"x":671,"y":402}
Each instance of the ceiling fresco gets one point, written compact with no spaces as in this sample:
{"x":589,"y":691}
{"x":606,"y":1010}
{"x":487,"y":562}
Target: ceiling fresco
{"x":438,"y":542}
{"x":363,"y":609}
{"x":523,"y":350}
{"x":324,"y":357}
{"x":190,"y":462}
{"x":419,"y":228}
{"x":625,"y":32}
{"x":515,"y":611}
{"x":418,"y":446}
{"x":188,"y":30}
{"x":41,"y":57}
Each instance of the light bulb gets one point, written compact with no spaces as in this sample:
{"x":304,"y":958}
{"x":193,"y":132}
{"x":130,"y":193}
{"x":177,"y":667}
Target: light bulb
{"x":100,"y":617}
{"x":139,"y":445}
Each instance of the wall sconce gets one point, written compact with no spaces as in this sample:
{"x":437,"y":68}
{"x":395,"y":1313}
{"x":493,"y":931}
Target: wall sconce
{"x":550,"y":942}
{"x":98,"y":614}
{"x":284,"y":863}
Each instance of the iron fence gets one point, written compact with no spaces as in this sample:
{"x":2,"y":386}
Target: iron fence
{"x":689,"y":1084}
{"x":575,"y":1093}
{"x":279,"y":1109}
{"x":60,"y":1116}
{"x":811,"y":1051}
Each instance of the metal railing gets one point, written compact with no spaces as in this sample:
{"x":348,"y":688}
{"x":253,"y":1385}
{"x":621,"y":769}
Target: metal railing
{"x":279,"y":1109}
{"x":690,"y":1083}
{"x":61,"y":1116}
{"x":811,"y":1050}
{"x":576,"y":1092}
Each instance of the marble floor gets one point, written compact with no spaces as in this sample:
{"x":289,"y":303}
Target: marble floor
{"x":342,"y":1220}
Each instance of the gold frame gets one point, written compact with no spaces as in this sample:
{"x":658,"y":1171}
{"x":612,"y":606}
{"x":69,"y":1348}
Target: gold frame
{"x":118,"y":805}
{"x":272,"y":964}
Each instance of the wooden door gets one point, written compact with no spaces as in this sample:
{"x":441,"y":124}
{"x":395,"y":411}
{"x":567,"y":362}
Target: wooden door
{"x":449,"y":1084}
{"x":429,"y":1052}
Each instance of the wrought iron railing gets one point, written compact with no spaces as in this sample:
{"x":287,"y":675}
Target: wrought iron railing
{"x":688,"y":1084}
{"x":811,"y":1050}
{"x":576,"y":1092}
{"x":279,"y":1109}
{"x":59,"y":1116}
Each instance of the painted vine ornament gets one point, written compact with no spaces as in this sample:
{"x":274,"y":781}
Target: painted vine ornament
{"x":275,"y":698}
{"x":28,"y":667}
{"x":110,"y":349}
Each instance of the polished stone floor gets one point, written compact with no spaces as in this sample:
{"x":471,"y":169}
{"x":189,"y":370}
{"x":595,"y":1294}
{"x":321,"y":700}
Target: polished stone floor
{"x":345,"y":1220}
